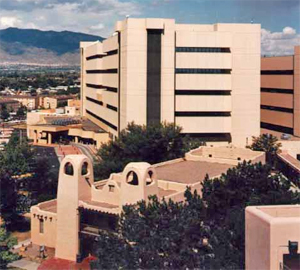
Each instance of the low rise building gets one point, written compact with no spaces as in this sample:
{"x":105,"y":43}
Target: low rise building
{"x":30,"y":102}
{"x":280,"y":93}
{"x":273,"y":237}
{"x":11,"y":105}
{"x":53,"y":102}
{"x":72,"y":222}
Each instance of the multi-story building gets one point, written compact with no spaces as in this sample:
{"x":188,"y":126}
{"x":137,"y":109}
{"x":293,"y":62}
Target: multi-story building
{"x":54,"y":102}
{"x":204,"y":78}
{"x":30,"y":102}
{"x":280,"y":93}
{"x":11,"y":105}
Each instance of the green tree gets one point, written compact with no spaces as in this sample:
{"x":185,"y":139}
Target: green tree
{"x":4,"y":112}
{"x":158,"y":235}
{"x":6,"y":243}
{"x":153,"y":144}
{"x":227,"y":197}
{"x":8,"y":198}
{"x":21,"y":112}
{"x":267,"y":143}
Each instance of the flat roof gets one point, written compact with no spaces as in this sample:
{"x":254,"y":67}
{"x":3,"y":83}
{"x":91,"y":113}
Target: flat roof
{"x":88,"y":125}
{"x":189,"y":172}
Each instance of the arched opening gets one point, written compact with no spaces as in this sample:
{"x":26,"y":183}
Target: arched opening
{"x":69,"y":170}
{"x":84,"y":168}
{"x":132,"y":178}
{"x":149,"y":179}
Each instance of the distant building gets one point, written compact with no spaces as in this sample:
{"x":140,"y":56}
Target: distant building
{"x":83,"y":208}
{"x":280,"y":93}
{"x":53,"y":102}
{"x":11,"y":105}
{"x":204,"y":78}
{"x":30,"y":102}
{"x":273,"y":237}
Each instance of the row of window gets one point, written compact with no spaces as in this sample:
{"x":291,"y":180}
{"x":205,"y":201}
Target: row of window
{"x":102,"y":71}
{"x":202,"y":49}
{"x":99,"y":86}
{"x":278,"y":109}
{"x":98,"y":56}
{"x":275,"y":90}
{"x":202,"y":114}
{"x":277,"y":128}
{"x":102,"y":120}
{"x":210,"y":137}
{"x":277,"y":72}
{"x":203,"y":92}
{"x":113,"y":108}
{"x":202,"y":71}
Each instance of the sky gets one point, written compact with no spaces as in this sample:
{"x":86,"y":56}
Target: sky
{"x":279,"y":19}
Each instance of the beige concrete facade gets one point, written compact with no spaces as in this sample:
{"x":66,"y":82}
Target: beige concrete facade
{"x":268,"y":232}
{"x":205,"y":78}
{"x":280,"y":93}
{"x":61,"y":223}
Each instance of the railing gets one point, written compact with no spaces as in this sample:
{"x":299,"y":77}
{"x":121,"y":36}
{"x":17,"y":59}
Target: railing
{"x":282,"y":266}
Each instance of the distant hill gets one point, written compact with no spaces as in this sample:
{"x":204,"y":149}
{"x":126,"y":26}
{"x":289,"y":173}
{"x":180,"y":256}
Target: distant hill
{"x":31,"y":46}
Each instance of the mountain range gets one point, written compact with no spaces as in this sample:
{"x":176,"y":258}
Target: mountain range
{"x":36,"y":47}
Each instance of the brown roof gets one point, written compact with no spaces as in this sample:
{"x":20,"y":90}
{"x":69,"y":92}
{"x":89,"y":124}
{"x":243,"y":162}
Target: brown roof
{"x":7,"y":101}
{"x":189,"y":172}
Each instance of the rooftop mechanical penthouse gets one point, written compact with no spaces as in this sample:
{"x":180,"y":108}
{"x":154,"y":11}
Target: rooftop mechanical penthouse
{"x":204,"y":78}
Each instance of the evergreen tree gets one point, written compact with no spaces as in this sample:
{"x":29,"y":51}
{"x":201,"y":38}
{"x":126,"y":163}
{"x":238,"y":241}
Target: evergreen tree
{"x":152,"y":143}
{"x":4,"y":112}
{"x":6,"y":243}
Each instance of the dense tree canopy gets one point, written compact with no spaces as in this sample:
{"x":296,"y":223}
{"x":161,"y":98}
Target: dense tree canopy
{"x":202,"y":233}
{"x":6,"y":243}
{"x":4,"y":112}
{"x":153,"y":144}
{"x":267,"y":143}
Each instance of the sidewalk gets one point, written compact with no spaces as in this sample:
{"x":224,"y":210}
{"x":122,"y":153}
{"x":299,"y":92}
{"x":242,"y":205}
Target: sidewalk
{"x":24,"y":264}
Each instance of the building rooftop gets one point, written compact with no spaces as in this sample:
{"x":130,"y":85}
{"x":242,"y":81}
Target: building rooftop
{"x":189,"y":172}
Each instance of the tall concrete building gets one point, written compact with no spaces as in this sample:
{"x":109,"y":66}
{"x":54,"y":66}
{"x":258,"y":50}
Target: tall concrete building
{"x":280,"y":93}
{"x":204,"y":78}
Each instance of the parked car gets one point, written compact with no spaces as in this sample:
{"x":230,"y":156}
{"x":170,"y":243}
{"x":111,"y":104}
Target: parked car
{"x":286,"y":136}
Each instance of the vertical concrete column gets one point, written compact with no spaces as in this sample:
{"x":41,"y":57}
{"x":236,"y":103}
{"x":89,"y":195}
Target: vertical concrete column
{"x":76,"y":139}
{"x":49,"y":138}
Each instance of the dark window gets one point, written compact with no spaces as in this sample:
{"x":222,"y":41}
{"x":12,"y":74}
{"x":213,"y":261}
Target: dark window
{"x":210,"y":137}
{"x":277,"y":72}
{"x":202,"y":71}
{"x":41,"y":225}
{"x":277,"y":128}
{"x":278,"y":109}
{"x":84,"y":169}
{"x":203,"y":92}
{"x":112,"y":52}
{"x":202,"y":50}
{"x":153,"y":76}
{"x":102,"y":71}
{"x":96,"y":86}
{"x":69,"y":170}
{"x":112,"y":107}
{"x":96,"y":56}
{"x":132,"y":179}
{"x":102,"y":120}
{"x":202,"y":114}
{"x":94,"y":101}
{"x":274,"y":90}
{"x":111,"y":89}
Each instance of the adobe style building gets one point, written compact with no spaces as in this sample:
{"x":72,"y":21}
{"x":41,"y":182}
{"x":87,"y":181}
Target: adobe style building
{"x":273,"y":237}
{"x":280,"y":93}
{"x":204,"y":78}
{"x":83,"y":208}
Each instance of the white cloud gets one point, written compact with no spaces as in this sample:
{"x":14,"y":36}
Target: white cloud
{"x":7,"y":21}
{"x":88,"y":16}
{"x":279,"y":43}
